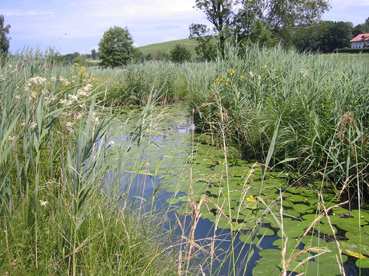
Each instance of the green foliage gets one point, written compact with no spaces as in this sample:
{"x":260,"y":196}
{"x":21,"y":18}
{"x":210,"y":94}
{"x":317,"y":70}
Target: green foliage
{"x":361,"y":28}
{"x":4,"y":40}
{"x":253,"y":21}
{"x":116,"y":47}
{"x":94,"y":54}
{"x":80,"y":60}
{"x":304,"y":109}
{"x":180,"y":54}
{"x":326,"y":37}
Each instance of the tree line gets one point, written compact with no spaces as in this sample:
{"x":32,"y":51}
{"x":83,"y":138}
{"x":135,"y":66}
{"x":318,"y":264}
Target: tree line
{"x":292,"y":23}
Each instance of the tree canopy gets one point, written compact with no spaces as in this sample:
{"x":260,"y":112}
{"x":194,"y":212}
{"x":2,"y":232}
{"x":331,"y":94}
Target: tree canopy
{"x":4,"y":39}
{"x":116,"y":47}
{"x":261,"y":21}
{"x":180,"y":54}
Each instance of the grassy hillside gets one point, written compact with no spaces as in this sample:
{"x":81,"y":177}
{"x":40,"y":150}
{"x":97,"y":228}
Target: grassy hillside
{"x":164,"y":47}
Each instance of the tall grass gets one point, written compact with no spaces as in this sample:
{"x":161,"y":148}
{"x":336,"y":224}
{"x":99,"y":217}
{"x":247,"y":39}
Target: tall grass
{"x":303,"y":112}
{"x":58,"y":215}
{"x":73,"y":196}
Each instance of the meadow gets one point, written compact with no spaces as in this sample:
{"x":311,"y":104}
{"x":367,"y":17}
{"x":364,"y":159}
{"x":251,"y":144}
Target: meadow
{"x":98,"y":176}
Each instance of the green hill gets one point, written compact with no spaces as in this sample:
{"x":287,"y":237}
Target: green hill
{"x":164,"y":47}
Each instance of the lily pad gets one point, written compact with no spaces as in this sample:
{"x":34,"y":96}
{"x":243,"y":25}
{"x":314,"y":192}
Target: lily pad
{"x":363,"y":263}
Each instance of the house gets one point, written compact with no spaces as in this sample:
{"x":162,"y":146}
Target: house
{"x":360,"y":41}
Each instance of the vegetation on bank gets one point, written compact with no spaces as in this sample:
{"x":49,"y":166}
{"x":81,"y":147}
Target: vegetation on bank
{"x":304,"y":114}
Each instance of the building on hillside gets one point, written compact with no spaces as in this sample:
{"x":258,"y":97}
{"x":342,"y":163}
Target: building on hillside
{"x":360,"y":41}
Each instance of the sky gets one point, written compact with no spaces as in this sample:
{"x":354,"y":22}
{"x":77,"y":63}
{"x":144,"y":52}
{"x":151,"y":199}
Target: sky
{"x":70,"y":26}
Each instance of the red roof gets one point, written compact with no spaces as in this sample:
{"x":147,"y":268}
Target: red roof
{"x":360,"y":38}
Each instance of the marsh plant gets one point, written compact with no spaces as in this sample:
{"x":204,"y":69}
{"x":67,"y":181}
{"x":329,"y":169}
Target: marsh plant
{"x":281,"y":147}
{"x":55,"y":218}
{"x":302,"y":112}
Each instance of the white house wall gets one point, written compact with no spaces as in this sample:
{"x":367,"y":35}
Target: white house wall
{"x":359,"y":44}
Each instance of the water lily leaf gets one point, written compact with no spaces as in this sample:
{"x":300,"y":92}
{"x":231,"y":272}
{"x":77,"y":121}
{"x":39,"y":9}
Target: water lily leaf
{"x":362,"y":214}
{"x":302,"y":208}
{"x":293,"y":229}
{"x":362,"y":263}
{"x":266,"y":270}
{"x":350,"y":224}
{"x":264,"y":231}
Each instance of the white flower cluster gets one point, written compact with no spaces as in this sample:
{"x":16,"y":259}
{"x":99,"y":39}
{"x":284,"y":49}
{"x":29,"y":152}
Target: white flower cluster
{"x":82,"y":93}
{"x":36,"y":81}
{"x":304,"y":73}
{"x":85,"y":91}
{"x":64,"y":81}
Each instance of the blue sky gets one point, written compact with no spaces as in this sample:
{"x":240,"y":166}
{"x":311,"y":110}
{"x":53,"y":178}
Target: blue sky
{"x":77,"y":26}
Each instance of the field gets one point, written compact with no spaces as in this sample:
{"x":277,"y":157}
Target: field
{"x":352,"y":58}
{"x":101,"y":172}
{"x":166,"y":46}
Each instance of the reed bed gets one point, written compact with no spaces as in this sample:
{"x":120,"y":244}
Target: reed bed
{"x":70,"y":202}
{"x":57,"y":214}
{"x":302,"y":112}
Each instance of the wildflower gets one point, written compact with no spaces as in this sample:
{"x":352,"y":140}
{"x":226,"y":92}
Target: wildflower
{"x":242,"y":77}
{"x":36,"y":80}
{"x":265,"y":66}
{"x":69,"y":126}
{"x":304,"y":73}
{"x":227,"y":81}
{"x":53,"y":79}
{"x":231,"y":71}
{"x":251,"y":74}
{"x":251,"y":199}
{"x":111,"y":144}
{"x":85,"y":91}
{"x":63,"y":101}
{"x":43,"y":203}
{"x":76,"y":64}
{"x":64,"y":81}
{"x":73,"y":98}
{"x":218,"y":80}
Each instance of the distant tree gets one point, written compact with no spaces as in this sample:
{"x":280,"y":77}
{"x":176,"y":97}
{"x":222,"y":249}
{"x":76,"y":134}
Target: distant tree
{"x":283,"y":16}
{"x":4,"y":39}
{"x":148,"y":57}
{"x":220,"y":13}
{"x":361,"y":28}
{"x":325,"y":37}
{"x":160,"y":56}
{"x":80,"y":60}
{"x":254,"y":20}
{"x":69,"y":58}
{"x":93,"y":54}
{"x":207,"y":42}
{"x":116,"y":47}
{"x":179,"y":54}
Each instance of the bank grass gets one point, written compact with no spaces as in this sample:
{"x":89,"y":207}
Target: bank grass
{"x":59,"y":215}
{"x":299,"y":111}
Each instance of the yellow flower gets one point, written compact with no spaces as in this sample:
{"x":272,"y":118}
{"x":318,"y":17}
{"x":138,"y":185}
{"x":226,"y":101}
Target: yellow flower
{"x":242,"y":77}
{"x":265,"y":66}
{"x":251,"y":199}
{"x":231,"y":71}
